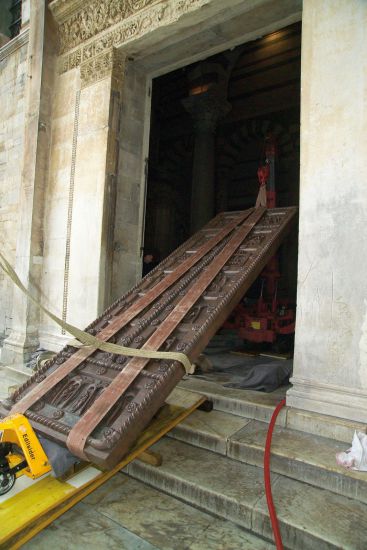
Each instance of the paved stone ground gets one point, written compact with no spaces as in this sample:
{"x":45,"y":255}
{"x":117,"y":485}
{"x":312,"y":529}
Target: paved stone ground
{"x":127,"y":514}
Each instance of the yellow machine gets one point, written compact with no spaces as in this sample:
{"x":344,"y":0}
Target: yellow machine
{"x":20,"y":452}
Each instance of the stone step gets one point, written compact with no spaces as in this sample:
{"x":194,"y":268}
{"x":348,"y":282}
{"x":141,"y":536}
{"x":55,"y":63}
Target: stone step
{"x":309,"y":518}
{"x":295,"y":454}
{"x":127,"y":514}
{"x":245,"y":403}
{"x":260,"y":406}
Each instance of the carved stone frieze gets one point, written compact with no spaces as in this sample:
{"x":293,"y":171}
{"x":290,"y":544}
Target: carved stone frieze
{"x":110,"y":63}
{"x":96,"y":16}
{"x":100,"y":26}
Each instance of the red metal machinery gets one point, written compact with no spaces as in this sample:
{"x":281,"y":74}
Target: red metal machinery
{"x":267,"y":318}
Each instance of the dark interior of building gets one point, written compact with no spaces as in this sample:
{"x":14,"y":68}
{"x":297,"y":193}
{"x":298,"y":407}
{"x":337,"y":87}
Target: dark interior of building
{"x":209,"y":124}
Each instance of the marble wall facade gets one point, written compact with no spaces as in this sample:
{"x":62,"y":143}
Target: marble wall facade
{"x":87,"y":127}
{"x":13,"y":80}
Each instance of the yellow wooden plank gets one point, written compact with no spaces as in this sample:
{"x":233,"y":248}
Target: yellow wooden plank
{"x":53,"y":497}
{"x":24,"y":506}
{"x":150,"y":457}
{"x":183,"y":398}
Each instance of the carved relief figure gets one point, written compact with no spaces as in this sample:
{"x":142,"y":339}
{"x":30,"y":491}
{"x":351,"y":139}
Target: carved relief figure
{"x":86,"y":397}
{"x":67,"y":393}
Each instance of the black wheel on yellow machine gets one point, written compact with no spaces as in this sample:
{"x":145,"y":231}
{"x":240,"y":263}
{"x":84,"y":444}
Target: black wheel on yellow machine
{"x":21,"y":453}
{"x":7,"y":478}
{"x":7,"y":481}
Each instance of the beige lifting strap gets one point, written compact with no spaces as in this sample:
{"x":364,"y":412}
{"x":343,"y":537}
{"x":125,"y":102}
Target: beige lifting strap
{"x":105,"y":334}
{"x":80,"y":432}
{"x":86,"y":339}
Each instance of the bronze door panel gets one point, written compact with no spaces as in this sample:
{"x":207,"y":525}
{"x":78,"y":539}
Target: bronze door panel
{"x":97,"y":403}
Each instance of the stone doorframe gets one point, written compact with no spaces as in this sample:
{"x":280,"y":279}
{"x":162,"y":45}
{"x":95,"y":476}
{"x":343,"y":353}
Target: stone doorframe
{"x":86,"y":222}
{"x":150,"y":39}
{"x":96,"y":142}
{"x":150,"y":57}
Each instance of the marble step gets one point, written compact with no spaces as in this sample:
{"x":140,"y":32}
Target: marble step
{"x":126,"y":514}
{"x":295,"y":454}
{"x":244,"y":403}
{"x":310,"y":518}
{"x":260,"y":406}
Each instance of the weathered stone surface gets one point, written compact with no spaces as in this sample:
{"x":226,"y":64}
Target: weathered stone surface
{"x":299,"y":455}
{"x":309,"y":517}
{"x":210,"y":431}
{"x":11,"y":378}
{"x":260,"y":406}
{"x":221,"y":486}
{"x":330,"y":363}
{"x":312,"y":518}
{"x":33,"y":166}
{"x":323,"y":425}
{"x":130,"y":183}
{"x":154,"y":516}
{"x":13,"y":70}
{"x":246,"y":403}
{"x":84,"y":527}
{"x":127,"y":514}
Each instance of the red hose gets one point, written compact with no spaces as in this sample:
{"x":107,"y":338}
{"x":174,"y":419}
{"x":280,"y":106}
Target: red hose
{"x":269,"y":496}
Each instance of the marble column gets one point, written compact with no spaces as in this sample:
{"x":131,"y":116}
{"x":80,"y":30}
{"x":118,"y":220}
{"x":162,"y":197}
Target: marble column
{"x":206,"y":109}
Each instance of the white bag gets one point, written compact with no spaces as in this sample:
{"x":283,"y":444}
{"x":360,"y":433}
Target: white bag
{"x":355,"y":458}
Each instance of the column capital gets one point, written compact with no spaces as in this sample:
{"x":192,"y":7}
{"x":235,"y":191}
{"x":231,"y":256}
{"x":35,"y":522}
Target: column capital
{"x":206,"y":109}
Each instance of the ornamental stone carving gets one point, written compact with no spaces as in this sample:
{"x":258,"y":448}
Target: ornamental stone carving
{"x":110,"y":63}
{"x":95,"y":27}
{"x":96,"y":17}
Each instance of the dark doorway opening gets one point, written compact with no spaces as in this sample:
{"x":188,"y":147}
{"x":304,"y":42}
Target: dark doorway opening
{"x":209,"y":124}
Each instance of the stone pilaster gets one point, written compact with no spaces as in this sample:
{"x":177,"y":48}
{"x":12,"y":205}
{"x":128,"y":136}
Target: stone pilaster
{"x":87,"y":280}
{"x":206,"y":109}
{"x":330,"y":363}
{"x":117,"y":74}
{"x":23,"y":338}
